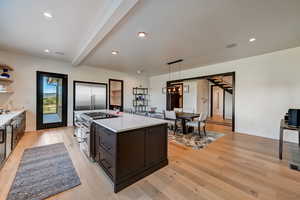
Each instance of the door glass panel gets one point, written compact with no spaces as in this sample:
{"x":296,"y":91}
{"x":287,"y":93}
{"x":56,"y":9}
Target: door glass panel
{"x":52,"y":99}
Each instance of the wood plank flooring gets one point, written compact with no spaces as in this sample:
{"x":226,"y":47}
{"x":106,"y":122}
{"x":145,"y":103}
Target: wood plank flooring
{"x":235,"y":166}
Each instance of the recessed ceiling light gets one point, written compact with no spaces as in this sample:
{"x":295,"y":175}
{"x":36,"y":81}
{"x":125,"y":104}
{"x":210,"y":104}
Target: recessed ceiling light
{"x":47,"y":15}
{"x":47,"y":51}
{"x":114,"y":52}
{"x":142,"y":34}
{"x":252,"y":39}
{"x":59,"y":53}
{"x":231,"y":45}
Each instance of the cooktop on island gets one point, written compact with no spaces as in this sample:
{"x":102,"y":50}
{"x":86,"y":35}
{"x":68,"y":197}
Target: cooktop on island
{"x":99,"y":115}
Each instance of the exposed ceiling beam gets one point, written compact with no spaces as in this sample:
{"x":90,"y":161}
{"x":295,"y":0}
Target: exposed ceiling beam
{"x":115,"y":13}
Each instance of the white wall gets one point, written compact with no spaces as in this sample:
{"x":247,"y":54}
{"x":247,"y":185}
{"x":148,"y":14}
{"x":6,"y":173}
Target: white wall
{"x":190,"y":99}
{"x":202,"y":96}
{"x":266,"y":86}
{"x":24,"y":85}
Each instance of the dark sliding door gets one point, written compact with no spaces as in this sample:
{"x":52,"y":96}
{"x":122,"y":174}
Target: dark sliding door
{"x":52,"y":100}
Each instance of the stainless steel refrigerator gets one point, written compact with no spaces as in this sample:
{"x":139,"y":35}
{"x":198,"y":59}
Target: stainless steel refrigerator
{"x":90,"y":96}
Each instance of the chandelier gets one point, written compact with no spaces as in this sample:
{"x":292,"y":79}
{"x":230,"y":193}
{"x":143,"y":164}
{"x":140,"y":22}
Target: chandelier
{"x":175,"y":89}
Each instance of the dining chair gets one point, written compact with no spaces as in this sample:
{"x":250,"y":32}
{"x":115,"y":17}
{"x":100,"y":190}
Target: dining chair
{"x":170,"y":116}
{"x":199,"y":123}
{"x":178,"y":109}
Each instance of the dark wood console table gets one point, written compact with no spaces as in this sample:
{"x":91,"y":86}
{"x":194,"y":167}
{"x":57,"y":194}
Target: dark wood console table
{"x":285,"y":126}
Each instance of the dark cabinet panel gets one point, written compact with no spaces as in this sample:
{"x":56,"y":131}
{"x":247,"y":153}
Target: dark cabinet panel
{"x":131,"y":152}
{"x":106,"y":161}
{"x":156,"y":146}
{"x":10,"y":134}
{"x":18,"y":125}
{"x":129,"y":156}
{"x":106,"y":139}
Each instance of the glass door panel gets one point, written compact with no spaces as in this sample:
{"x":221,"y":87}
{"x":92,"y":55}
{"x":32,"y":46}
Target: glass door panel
{"x":51,"y":100}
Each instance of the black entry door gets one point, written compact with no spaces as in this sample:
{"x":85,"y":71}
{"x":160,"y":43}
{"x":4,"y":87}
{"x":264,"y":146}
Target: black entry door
{"x":52,"y":100}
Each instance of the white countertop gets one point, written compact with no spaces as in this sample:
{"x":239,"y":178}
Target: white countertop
{"x":127,"y":121}
{"x":4,"y":118}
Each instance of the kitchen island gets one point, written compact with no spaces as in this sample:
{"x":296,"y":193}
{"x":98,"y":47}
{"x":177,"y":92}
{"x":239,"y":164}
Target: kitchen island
{"x":129,"y":147}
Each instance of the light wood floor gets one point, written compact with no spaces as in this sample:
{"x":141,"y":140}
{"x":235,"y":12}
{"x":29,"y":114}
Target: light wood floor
{"x":234,"y":167}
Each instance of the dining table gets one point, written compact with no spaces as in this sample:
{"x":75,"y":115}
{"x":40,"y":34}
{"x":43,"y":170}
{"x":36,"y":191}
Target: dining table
{"x":185,"y":116}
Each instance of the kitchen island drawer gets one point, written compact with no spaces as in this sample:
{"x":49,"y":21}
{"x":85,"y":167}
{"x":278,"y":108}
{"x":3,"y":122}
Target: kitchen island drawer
{"x":106,"y":161}
{"x":106,"y":140}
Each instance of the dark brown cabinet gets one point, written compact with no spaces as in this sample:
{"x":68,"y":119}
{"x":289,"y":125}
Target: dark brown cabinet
{"x":18,"y":126}
{"x":129,"y":156}
{"x":10,"y":134}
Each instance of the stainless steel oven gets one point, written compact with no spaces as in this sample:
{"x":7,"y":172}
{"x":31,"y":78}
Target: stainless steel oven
{"x":83,"y":123}
{"x":85,"y":139}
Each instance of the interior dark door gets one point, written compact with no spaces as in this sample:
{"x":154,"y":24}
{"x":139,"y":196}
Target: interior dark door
{"x":52,"y":102}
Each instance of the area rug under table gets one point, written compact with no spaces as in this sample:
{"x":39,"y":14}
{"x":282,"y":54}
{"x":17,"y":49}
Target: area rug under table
{"x":193,"y":140}
{"x":43,"y":172}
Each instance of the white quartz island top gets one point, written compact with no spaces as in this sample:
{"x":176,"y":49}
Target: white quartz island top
{"x":127,"y":121}
{"x":4,"y":118}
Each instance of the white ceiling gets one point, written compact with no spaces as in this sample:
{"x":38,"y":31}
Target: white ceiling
{"x":194,"y":30}
{"x":23,"y":27}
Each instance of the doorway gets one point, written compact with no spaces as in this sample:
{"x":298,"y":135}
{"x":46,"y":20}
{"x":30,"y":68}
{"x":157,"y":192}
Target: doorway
{"x":199,"y":98}
{"x":52,"y":102}
{"x":116,"y":96}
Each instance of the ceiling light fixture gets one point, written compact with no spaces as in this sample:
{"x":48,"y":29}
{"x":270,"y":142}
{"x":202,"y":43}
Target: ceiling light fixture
{"x":59,"y":53}
{"x":114,"y":52}
{"x":252,"y":39}
{"x":47,"y":51}
{"x":142,"y":34}
{"x":47,"y":15}
{"x":231,"y":45}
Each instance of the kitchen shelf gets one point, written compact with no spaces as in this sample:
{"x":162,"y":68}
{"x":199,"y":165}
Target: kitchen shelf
{"x":140,"y":101}
{"x":6,"y":92}
{"x":6,"y":80}
{"x":4,"y":66}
